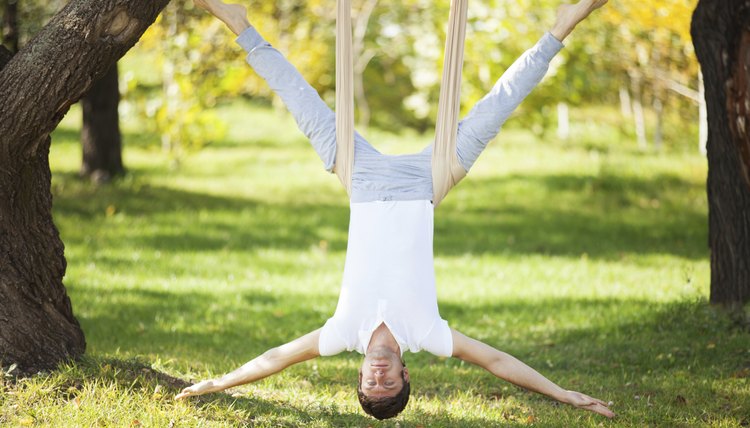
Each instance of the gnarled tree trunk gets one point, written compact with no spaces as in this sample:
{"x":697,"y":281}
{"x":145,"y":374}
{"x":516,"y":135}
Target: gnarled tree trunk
{"x":721,"y":35}
{"x":37,"y":86}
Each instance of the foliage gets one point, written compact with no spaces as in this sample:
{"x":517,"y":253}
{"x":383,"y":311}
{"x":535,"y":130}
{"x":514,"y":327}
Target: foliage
{"x":33,"y":15}
{"x":179,"y":112}
{"x":587,"y":260}
{"x":658,"y":45}
{"x":643,"y":47}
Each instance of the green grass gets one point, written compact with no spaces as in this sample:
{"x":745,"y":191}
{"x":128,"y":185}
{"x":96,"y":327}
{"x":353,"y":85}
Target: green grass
{"x":587,"y":261}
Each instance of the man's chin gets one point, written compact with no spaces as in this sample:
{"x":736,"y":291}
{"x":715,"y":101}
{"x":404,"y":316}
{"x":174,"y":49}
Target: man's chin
{"x":379,"y":353}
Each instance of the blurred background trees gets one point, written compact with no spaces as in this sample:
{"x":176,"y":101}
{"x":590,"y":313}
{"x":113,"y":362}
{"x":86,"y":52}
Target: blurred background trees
{"x":636,"y":59}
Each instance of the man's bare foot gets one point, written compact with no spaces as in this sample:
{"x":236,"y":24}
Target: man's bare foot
{"x":234,"y":15}
{"x":569,"y":15}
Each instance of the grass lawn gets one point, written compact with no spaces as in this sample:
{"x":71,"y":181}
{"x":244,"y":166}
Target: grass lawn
{"x":587,"y":261}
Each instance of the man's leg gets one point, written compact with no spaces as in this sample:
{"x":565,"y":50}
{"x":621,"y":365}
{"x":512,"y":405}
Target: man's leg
{"x":313,"y":116}
{"x":484,"y":121}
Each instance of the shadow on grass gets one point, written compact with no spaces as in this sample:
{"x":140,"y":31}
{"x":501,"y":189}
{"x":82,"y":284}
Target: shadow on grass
{"x":140,"y":378}
{"x":141,"y":139}
{"x":663,"y":353}
{"x":600,"y":217}
{"x":66,"y":134}
{"x":179,"y":219}
{"x":194,"y":326}
{"x":604,"y":217}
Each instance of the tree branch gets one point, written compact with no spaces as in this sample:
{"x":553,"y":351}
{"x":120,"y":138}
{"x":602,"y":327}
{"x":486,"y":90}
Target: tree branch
{"x":79,"y":44}
{"x":677,"y":87}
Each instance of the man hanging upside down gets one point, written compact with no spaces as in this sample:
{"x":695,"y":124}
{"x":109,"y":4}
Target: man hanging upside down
{"x":388,"y":302}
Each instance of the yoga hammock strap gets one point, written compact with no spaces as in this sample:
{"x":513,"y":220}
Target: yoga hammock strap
{"x":446,"y":169}
{"x":344,"y":95}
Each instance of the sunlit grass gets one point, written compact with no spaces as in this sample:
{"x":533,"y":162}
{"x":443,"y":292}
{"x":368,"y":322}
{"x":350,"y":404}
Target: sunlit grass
{"x":587,"y":261}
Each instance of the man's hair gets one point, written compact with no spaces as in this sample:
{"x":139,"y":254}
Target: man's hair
{"x":385,"y":407}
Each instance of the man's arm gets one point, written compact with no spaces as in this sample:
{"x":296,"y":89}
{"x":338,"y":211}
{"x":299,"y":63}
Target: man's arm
{"x":514,"y":371}
{"x":272,"y":361}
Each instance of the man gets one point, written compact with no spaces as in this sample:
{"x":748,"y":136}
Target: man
{"x":388,"y":302}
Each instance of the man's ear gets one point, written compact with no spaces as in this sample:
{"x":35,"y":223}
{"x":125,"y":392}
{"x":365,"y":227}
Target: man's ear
{"x":406,"y":374}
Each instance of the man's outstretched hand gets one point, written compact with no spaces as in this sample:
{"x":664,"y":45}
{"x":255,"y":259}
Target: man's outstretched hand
{"x":583,"y":401}
{"x":199,"y":388}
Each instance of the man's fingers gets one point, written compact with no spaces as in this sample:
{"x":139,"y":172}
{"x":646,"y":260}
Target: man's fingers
{"x":187,"y":392}
{"x":585,"y":402}
{"x":601,"y":409}
{"x":598,"y":401}
{"x":593,"y":400}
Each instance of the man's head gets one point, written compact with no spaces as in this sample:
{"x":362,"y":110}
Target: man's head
{"x":383,"y":388}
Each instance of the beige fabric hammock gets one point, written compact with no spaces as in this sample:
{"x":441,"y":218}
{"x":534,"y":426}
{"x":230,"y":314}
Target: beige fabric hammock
{"x":446,"y":169}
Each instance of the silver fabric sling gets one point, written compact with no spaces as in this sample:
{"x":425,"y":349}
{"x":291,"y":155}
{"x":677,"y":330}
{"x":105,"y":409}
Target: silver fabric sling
{"x":446,"y":169}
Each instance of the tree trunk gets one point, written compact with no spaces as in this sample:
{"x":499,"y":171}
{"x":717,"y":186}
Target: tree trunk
{"x":100,"y":134}
{"x":37,"y":86}
{"x":658,"y":130}
{"x":10,"y":25}
{"x":639,"y":117}
{"x":563,"y":121}
{"x":625,"y":104}
{"x":722,"y":43}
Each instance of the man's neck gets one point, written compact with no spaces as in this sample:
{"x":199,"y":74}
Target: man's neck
{"x":383,"y":338}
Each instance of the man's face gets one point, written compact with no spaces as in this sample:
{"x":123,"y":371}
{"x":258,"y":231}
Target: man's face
{"x":381,"y":374}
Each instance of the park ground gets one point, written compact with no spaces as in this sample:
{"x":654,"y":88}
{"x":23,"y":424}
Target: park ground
{"x":585,"y":258}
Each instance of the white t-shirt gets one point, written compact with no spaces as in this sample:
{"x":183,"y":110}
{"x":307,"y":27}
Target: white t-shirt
{"x":389,"y":278}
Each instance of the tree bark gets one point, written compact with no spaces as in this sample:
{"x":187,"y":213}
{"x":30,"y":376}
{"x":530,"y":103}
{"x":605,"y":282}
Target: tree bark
{"x":721,"y":35}
{"x":37,"y":86}
{"x":100,"y":135}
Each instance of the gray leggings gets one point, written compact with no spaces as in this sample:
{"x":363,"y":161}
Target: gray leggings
{"x":378,"y":176}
